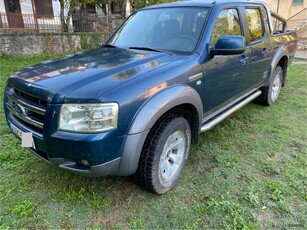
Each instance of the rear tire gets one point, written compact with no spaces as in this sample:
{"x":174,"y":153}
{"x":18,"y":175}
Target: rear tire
{"x":271,"y":93}
{"x":164,"y":154}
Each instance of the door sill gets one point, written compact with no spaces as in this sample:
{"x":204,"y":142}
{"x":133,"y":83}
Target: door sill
{"x":226,"y":113}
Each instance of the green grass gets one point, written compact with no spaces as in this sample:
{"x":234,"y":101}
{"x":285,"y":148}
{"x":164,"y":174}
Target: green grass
{"x":249,"y":172}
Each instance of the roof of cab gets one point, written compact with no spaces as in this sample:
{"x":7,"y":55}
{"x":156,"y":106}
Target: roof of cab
{"x":199,"y":3}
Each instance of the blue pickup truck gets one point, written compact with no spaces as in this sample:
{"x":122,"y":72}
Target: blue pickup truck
{"x":135,"y":105}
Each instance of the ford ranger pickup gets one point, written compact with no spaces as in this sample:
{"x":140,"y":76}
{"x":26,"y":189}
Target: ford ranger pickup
{"x":135,"y":105}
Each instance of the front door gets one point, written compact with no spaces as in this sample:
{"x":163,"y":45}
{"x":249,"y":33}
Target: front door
{"x":225,"y":77}
{"x":13,"y":12}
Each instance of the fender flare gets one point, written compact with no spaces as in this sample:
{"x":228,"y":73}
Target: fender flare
{"x":148,"y":115}
{"x":280,"y":52}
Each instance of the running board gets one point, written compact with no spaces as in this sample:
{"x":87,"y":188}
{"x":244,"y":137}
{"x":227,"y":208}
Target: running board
{"x":230,"y":111}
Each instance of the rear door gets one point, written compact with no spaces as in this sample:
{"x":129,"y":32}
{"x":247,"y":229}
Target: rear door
{"x":258,"y":35}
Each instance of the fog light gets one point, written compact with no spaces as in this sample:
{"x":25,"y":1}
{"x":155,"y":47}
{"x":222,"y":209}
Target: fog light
{"x":85,"y":163}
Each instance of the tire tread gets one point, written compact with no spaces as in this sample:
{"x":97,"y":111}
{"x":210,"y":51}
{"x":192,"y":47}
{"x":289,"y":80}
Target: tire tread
{"x":144,"y":175}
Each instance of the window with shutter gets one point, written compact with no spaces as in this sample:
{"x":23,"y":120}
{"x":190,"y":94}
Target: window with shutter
{"x":296,"y":2}
{"x":44,"y":8}
{"x":91,"y":9}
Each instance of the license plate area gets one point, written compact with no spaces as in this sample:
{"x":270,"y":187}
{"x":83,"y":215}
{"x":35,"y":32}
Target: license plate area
{"x":26,"y":138}
{"x":18,"y":132}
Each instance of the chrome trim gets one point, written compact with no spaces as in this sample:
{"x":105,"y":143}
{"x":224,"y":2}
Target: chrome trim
{"x":26,"y":105}
{"x":230,"y":111}
{"x":196,"y":77}
{"x":24,"y":117}
{"x":215,"y":113}
{"x":16,"y":122}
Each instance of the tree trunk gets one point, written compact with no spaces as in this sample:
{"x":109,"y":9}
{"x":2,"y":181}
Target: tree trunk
{"x":108,"y":14}
{"x":62,"y":16}
{"x":124,"y":7}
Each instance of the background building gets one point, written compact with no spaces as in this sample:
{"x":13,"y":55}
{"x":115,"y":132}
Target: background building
{"x":51,"y":16}
{"x":287,"y":8}
{"x":295,"y":11}
{"x":29,"y":14}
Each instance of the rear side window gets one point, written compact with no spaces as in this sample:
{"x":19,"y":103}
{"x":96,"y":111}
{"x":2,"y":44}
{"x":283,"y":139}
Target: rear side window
{"x":254,"y":24}
{"x":227,"y":23}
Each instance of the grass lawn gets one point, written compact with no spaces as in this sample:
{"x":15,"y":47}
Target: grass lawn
{"x":249,"y":172}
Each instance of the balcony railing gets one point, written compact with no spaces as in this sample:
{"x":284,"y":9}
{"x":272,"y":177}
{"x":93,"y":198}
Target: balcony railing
{"x":53,"y":24}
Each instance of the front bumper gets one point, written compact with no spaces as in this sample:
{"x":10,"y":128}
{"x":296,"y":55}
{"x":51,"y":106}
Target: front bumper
{"x":109,"y":153}
{"x":68,"y":150}
{"x":108,"y":168}
{"x":75,"y":166}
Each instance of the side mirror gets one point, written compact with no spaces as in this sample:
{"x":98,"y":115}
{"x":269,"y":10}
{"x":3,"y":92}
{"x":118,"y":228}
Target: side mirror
{"x":229,"y":45}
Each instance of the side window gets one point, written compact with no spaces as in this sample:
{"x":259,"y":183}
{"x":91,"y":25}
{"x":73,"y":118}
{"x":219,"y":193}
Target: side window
{"x":254,"y":24}
{"x":227,"y":23}
{"x":278,"y":25}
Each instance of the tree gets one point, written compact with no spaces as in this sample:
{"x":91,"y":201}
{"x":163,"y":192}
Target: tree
{"x":69,"y":6}
{"x":104,"y":4}
{"x":137,"y":4}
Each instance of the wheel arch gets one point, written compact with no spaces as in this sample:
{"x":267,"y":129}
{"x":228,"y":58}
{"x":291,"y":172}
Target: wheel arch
{"x":283,"y":63}
{"x":281,"y":58}
{"x":182,"y":100}
{"x":167,"y":100}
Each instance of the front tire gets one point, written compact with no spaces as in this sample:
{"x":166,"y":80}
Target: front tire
{"x":271,"y":93}
{"x":164,"y":154}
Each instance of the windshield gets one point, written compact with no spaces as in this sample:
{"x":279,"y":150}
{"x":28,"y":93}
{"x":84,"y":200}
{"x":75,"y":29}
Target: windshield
{"x":163,"y":29}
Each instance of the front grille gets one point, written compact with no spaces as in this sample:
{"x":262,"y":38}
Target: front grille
{"x":28,"y":110}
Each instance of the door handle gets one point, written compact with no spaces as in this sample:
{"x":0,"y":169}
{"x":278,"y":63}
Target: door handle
{"x":264,"y":52}
{"x":244,"y":60}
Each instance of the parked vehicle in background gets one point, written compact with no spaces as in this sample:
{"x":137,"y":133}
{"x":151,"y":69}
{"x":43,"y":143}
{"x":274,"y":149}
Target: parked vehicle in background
{"x":135,"y":105}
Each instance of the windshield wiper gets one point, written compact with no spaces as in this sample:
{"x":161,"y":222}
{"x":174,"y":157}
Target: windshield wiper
{"x":150,"y":49}
{"x":109,"y":45}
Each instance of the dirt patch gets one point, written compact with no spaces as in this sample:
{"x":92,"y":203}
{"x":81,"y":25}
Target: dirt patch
{"x":277,"y":156}
{"x":265,"y":220}
{"x":120,"y":207}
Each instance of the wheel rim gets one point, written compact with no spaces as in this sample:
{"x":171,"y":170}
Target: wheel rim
{"x":172,"y":156}
{"x":276,"y":87}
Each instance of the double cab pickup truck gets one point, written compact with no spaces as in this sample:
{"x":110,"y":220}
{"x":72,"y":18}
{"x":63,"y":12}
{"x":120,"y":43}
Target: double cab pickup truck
{"x":135,"y":105}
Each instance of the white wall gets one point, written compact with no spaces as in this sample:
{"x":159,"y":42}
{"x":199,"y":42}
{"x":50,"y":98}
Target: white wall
{"x":286,"y":7}
{"x":2,"y":7}
{"x":26,"y":7}
{"x":56,"y":7}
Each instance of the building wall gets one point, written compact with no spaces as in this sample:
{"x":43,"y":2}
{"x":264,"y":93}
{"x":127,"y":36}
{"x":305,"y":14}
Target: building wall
{"x":2,"y":7}
{"x":286,"y":7}
{"x":26,"y":7}
{"x":29,"y":44}
{"x":28,"y":19}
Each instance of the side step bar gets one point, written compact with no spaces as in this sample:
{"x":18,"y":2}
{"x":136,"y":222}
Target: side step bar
{"x":230,"y":111}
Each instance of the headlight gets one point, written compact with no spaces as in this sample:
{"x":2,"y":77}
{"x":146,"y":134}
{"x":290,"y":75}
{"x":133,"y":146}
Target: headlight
{"x":88,"y":118}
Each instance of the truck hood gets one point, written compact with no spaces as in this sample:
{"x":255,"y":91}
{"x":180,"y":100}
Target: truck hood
{"x":87,"y":75}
